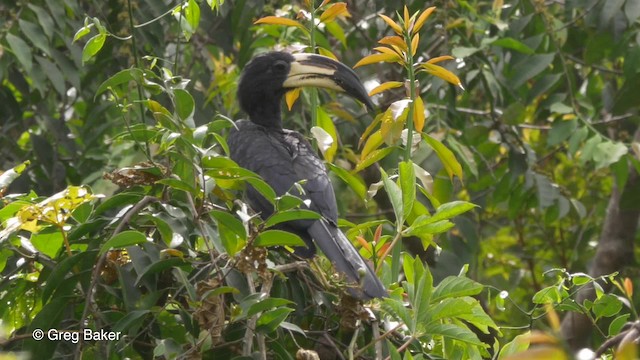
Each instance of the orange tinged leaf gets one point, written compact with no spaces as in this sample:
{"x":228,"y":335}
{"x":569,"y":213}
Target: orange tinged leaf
{"x":378,"y":233}
{"x":442,"y":73}
{"x":325,"y":2}
{"x":275,"y":20}
{"x":386,"y":50}
{"x":363,"y":242}
{"x":394,"y":40}
{"x":335,"y":10}
{"x":422,"y":18}
{"x":291,"y":96}
{"x":440,"y":58}
{"x":383,"y":250}
{"x":628,"y":287}
{"x":384,"y":87}
{"x":418,"y":114}
{"x":376,"y":58}
{"x":414,"y":44}
{"x":392,"y":24}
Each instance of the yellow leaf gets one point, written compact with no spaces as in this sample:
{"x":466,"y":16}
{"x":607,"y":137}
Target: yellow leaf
{"x":442,"y":73}
{"x":628,"y":287}
{"x":373,"y":142}
{"x":386,"y":50}
{"x":326,"y":53}
{"x":385,"y":86}
{"x":376,"y":58}
{"x":335,"y":10}
{"x":406,"y":19}
{"x":414,"y":44}
{"x":291,"y":96}
{"x":418,"y":114}
{"x":325,"y":2}
{"x":393,"y":121}
{"x":393,"y":40}
{"x":275,"y":20}
{"x":369,"y":129}
{"x":392,"y":24}
{"x":422,"y":18}
{"x":440,"y":58}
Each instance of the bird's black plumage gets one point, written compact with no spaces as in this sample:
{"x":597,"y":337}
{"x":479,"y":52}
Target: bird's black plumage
{"x":283,"y":157}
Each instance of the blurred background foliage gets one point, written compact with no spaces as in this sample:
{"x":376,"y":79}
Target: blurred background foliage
{"x":546,"y":133}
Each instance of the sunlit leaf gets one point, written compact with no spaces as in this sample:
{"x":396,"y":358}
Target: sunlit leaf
{"x":355,"y":182}
{"x":422,"y":18}
{"x":374,"y":156}
{"x":276,"y":20}
{"x":406,"y":18}
{"x":393,"y":121}
{"x":385,"y":86}
{"x":438,"y":59}
{"x":392,"y":24}
{"x":394,"y":40}
{"x":407,"y":184}
{"x":326,"y":53}
{"x":376,"y":58}
{"x":93,"y":46}
{"x":370,"y":129}
{"x":389,"y":51}
{"x":373,"y":142}
{"x":451,"y":164}
{"x":291,"y":96}
{"x":414,"y":44}
{"x":442,"y":73}
{"x":334,"y":11}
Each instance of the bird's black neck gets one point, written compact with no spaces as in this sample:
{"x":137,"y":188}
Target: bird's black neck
{"x":266,"y":112}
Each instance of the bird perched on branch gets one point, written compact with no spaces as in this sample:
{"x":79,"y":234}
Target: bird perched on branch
{"x":284,"y":157}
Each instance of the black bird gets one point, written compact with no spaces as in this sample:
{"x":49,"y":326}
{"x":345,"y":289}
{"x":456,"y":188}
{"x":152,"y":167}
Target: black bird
{"x":283,"y":157}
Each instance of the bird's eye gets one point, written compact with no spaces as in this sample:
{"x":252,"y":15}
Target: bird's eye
{"x":280,"y":66}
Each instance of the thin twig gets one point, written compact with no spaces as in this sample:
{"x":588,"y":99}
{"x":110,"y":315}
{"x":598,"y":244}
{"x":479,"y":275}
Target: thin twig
{"x":89,"y":302}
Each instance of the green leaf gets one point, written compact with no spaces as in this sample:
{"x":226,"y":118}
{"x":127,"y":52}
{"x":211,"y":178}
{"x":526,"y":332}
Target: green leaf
{"x":82,"y":32}
{"x":328,"y":148}
{"x":420,"y":229}
{"x":529,"y":67}
{"x":123,"y":239}
{"x":616,"y":325}
{"x":231,"y":230}
{"x":453,"y":332}
{"x":62,"y":271}
{"x":266,"y":304}
{"x":608,"y":152}
{"x":451,"y":165}
{"x":455,"y":286}
{"x":278,"y":238}
{"x":518,"y":344}
{"x":93,"y":46}
{"x":21,"y":50}
{"x":48,"y":242}
{"x":159,"y":266}
{"x":395,"y":196}
{"x":355,"y":182}
{"x":122,"y":77}
{"x":192,"y":14}
{"x":129,"y":320}
{"x":185,"y":106}
{"x":178,"y":185}
{"x":407,"y":185}
{"x":548,"y":295}
{"x":269,"y":321}
{"x":35,"y":34}
{"x":561,"y":130}
{"x":372,"y":157}
{"x":606,"y":306}
{"x":513,"y":44}
{"x":293,"y":214}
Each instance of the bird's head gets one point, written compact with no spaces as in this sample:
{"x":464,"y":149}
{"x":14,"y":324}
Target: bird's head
{"x":266,"y":78}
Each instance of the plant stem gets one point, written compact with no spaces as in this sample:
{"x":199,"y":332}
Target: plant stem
{"x":412,"y":95}
{"x":312,"y":43}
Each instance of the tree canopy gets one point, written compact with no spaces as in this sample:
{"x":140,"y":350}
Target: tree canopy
{"x":494,"y":190}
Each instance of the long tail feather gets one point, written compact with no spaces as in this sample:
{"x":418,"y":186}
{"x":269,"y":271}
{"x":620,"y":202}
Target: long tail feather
{"x":346,"y":259}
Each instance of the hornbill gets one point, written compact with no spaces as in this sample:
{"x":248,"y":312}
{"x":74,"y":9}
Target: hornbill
{"x":284,"y":157}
